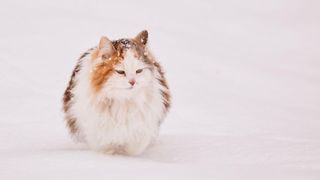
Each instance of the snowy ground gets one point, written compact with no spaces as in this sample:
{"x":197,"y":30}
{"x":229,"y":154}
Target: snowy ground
{"x":245,"y":77}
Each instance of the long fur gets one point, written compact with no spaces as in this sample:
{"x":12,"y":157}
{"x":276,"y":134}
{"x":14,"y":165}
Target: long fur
{"x":105,"y":116}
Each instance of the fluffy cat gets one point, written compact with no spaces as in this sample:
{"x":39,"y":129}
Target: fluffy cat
{"x":117,"y":96}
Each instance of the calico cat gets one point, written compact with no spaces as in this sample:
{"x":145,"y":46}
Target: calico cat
{"x":117,"y":96}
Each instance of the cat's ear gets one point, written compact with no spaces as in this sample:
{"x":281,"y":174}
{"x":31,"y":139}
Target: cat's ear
{"x":142,"y":37}
{"x":105,"y":46}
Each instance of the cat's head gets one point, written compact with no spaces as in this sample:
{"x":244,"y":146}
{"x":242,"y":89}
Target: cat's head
{"x":123,"y":67}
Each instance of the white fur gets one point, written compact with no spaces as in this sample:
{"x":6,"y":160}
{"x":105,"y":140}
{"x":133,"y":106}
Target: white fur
{"x":136,"y":113}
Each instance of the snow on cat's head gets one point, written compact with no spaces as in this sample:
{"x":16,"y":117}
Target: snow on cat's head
{"x":122,"y":69}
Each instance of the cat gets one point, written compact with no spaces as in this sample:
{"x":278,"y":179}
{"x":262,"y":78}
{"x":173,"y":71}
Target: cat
{"x":117,"y":96}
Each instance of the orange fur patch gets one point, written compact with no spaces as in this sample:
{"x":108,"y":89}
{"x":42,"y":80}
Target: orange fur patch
{"x":103,"y":71}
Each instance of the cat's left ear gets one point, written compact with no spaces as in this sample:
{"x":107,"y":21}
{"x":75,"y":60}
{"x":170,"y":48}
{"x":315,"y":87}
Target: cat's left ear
{"x":105,"y":46}
{"x":142,"y":37}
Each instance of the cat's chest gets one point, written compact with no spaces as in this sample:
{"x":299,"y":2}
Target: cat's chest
{"x":143,"y":108}
{"x":126,"y":111}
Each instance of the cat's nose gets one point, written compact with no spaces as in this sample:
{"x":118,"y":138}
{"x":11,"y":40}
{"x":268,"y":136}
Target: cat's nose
{"x":132,"y":81}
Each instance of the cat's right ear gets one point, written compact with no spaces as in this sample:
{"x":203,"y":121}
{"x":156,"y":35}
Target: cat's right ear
{"x":142,"y":37}
{"x":105,"y":46}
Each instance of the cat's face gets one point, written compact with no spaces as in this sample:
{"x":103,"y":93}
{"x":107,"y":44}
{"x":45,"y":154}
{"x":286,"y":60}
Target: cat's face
{"x":128,"y":77}
{"x":124,"y":70}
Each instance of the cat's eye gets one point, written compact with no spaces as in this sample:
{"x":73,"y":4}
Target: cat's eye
{"x":120,"y":72}
{"x":139,"y":71}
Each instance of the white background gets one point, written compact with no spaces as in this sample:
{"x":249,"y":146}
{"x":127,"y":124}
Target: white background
{"x":245,"y":79}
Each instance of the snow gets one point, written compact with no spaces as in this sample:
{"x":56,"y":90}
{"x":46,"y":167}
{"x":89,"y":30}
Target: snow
{"x":245,"y":79}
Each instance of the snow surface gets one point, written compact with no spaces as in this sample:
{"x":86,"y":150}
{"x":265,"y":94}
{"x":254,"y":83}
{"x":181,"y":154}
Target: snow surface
{"x":245,"y":78}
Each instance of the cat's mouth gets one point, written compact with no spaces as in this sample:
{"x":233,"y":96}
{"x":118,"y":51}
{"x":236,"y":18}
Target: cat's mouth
{"x":129,"y":88}
{"x":132,"y":88}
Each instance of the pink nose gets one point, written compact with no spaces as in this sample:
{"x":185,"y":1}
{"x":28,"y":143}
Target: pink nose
{"x":132,"y":82}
